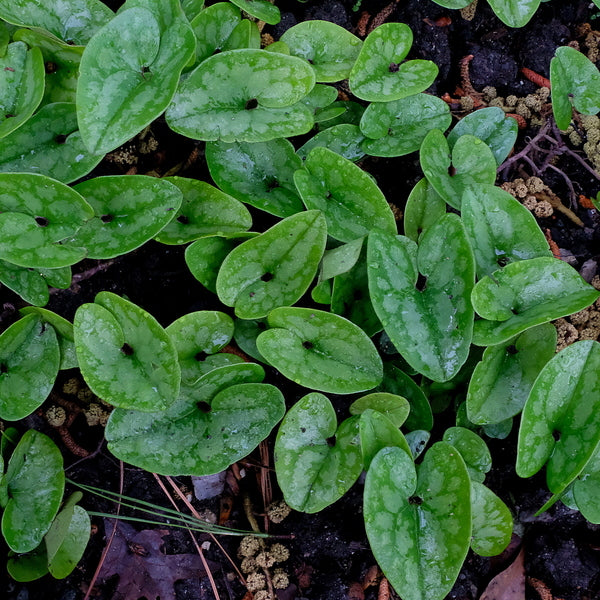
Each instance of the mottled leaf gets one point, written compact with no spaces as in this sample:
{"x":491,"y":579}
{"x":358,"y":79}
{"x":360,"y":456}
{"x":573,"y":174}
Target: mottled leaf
{"x":395,"y":408}
{"x":492,"y":522}
{"x":261,"y":9}
{"x":212,"y":27}
{"x":423,"y":208}
{"x":473,"y":449}
{"x":345,"y":139}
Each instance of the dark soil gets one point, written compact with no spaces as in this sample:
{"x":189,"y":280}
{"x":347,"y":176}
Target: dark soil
{"x":329,"y":551}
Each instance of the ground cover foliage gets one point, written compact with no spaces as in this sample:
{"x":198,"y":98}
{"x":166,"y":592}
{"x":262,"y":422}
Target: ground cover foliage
{"x":368,"y":345}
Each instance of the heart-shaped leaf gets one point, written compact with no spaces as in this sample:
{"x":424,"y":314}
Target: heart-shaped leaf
{"x":345,"y":139}
{"x":399,"y":127}
{"x":514,"y":13}
{"x":502,"y":380}
{"x":395,"y":408}
{"x":27,"y":283}
{"x":28,"y":567}
{"x":205,"y":210}
{"x":229,"y":414}
{"x":129,"y":71}
{"x":129,"y":211}
{"x":61,"y":64}
{"x":421,"y":294}
{"x":29,"y":362}
{"x":263,"y":10}
{"x":21,"y":85}
{"x":492,"y":126}
{"x":377,"y":432}
{"x":380,"y":73}
{"x":575,"y":83}
{"x":349,"y":198}
{"x":260,"y":174}
{"x":423,"y":208}
{"x":561,"y":419}
{"x":329,"y":48}
{"x":49,"y":143}
{"x":275,"y":268}
{"x":501,"y":230}
{"x":419,"y":525}
{"x":524,"y":294}
{"x":470,"y":163}
{"x":320,"y":350}
{"x":473,"y":449}
{"x":492,"y":521}
{"x":212,"y":27}
{"x":315,"y":460}
{"x":244,"y":95}
{"x":124,"y":355}
{"x":35,"y":481}
{"x":73,"y":21}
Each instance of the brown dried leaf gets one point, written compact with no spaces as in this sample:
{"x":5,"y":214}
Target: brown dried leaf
{"x":356,"y":592}
{"x":143,"y":569}
{"x":509,"y":584}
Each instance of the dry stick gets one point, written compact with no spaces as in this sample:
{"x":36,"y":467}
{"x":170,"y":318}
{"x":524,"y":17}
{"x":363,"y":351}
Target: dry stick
{"x":110,"y":539}
{"x":213,"y":585}
{"x":265,"y":482}
{"x":215,"y":540}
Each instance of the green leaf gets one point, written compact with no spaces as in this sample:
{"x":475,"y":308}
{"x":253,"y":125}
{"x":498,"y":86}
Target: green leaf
{"x":36,"y":481}
{"x":191,"y":8}
{"x":245,"y":335}
{"x":399,"y":127}
{"x":61,"y":64}
{"x":73,"y":21}
{"x":453,"y":3}
{"x":212,"y":27}
{"x":244,"y":95}
{"x":244,"y":35}
{"x":419,"y":525}
{"x":67,"y":538}
{"x":36,"y":214}
{"x":380,"y":73}
{"x":423,"y":208}
{"x":260,"y":174}
{"x":49,"y":143}
{"x":320,"y":101}
{"x":586,"y":489}
{"x":261,"y":9}
{"x":501,"y":230}
{"x":330,"y":49}
{"x":205,"y":210}
{"x":560,"y":424}
{"x":315,"y":460}
{"x":320,"y":350}
{"x":490,"y":125}
{"x":469,"y":164}
{"x":514,"y":13}
{"x":27,"y":283}
{"x":28,"y":567}
{"x":397,"y":382}
{"x":275,"y":268}
{"x":345,"y":139}
{"x":377,"y":432}
{"x":124,"y":355}
{"x":229,"y":414}
{"x":502,"y":380}
{"x":421,"y":294}
{"x":29,"y":362}
{"x":417,"y":440}
{"x":473,"y":449}
{"x":524,"y":294}
{"x":492,"y":522}
{"x":129,"y":210}
{"x":129,"y":71}
{"x":575,"y":83}
{"x":395,"y":408}
{"x":349,"y":198}
{"x":341,"y":259}
{"x":21,"y":85}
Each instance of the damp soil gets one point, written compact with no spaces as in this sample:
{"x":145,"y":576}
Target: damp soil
{"x":329,"y":553}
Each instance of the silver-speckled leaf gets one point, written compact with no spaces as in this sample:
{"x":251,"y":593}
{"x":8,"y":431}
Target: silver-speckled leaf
{"x":129,"y":71}
{"x":261,"y":9}
{"x":380,"y":73}
{"x":321,"y":351}
{"x":315,"y":460}
{"x":275,"y":268}
{"x":125,"y":356}
{"x":492,"y":521}
{"x":244,"y":95}
{"x":378,"y":432}
{"x":422,"y":293}
{"x":419,"y":526}
{"x":473,"y":449}
{"x":212,"y":27}
{"x":345,"y":139}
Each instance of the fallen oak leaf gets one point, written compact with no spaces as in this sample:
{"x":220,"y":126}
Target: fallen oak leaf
{"x":144,"y":570}
{"x":509,"y":584}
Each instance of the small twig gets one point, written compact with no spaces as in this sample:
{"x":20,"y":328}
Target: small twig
{"x":553,"y":245}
